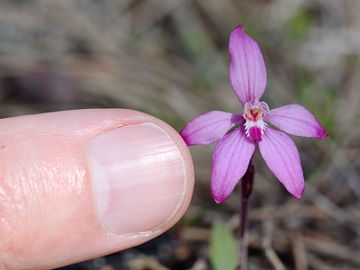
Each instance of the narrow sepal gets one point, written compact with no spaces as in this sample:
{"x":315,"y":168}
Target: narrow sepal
{"x":231,"y":158}
{"x":296,"y":120}
{"x":247,"y":67}
{"x":209,"y":127}
{"x":283,"y":159}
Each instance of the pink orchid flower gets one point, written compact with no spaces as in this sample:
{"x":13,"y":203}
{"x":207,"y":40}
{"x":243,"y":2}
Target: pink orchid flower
{"x":234,"y":149}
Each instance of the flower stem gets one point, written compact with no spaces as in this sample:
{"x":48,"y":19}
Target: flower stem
{"x":246,"y":190}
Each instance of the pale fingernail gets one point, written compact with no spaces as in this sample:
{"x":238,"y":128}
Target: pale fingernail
{"x":138,"y":178}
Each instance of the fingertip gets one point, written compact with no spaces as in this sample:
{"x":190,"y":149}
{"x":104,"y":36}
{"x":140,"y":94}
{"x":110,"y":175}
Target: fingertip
{"x":88,"y":183}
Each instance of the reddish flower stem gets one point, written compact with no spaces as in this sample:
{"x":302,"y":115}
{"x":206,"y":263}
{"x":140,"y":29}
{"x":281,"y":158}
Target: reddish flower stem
{"x":246,"y":190}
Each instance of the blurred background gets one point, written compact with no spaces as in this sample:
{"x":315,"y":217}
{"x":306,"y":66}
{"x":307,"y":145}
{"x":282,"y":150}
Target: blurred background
{"x":169,"y":58}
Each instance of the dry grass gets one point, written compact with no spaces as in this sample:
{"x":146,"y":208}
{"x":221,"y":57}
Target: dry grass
{"x":168,"y":58}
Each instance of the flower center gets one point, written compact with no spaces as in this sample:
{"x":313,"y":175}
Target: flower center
{"x":254,"y":124}
{"x":254,"y":114}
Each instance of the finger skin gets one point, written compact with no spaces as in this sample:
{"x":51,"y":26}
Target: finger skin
{"x":47,"y":213}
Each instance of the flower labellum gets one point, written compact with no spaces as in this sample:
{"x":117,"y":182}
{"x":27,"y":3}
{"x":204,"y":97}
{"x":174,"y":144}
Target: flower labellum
{"x":234,"y":149}
{"x":254,"y":113}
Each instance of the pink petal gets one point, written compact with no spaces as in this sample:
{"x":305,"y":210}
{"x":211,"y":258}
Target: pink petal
{"x":282,"y":158}
{"x":209,"y":127}
{"x":296,"y":120}
{"x":231,"y":158}
{"x":247,"y":67}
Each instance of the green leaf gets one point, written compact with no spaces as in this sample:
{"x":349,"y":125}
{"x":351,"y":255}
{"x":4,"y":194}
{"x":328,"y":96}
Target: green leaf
{"x":223,"y":248}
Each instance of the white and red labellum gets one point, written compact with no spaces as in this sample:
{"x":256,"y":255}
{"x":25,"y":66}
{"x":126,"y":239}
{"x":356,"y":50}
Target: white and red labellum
{"x":253,"y":114}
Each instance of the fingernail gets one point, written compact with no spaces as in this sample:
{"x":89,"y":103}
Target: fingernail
{"x":138,"y":178}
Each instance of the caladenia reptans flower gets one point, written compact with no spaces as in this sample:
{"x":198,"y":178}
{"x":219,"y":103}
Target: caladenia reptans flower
{"x":237,"y":135}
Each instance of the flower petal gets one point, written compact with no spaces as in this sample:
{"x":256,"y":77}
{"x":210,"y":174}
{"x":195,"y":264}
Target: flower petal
{"x":230,"y":161}
{"x":283,"y":159}
{"x":209,"y":127}
{"x":247,"y":67}
{"x":296,"y":120}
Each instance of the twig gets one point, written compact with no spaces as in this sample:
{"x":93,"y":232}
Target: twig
{"x":269,"y":251}
{"x":329,"y":207}
{"x":318,"y":264}
{"x":299,"y":251}
{"x":332,"y":250}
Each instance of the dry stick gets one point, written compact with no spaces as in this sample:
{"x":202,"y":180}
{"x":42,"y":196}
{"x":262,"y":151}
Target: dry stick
{"x":333,"y":250}
{"x":299,"y":251}
{"x":318,"y":264}
{"x":269,"y":251}
{"x":246,"y":190}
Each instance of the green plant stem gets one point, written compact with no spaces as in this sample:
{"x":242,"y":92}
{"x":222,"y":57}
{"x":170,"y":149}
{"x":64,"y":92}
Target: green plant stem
{"x":246,"y":190}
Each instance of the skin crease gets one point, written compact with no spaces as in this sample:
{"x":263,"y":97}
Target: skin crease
{"x":47,"y":213}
